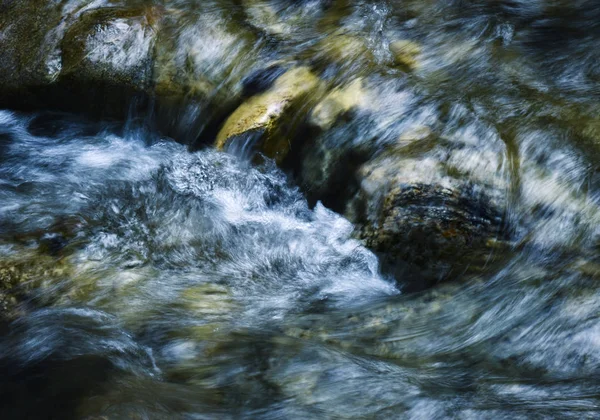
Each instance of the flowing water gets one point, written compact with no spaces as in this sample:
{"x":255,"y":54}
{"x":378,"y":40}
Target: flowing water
{"x":169,"y":282}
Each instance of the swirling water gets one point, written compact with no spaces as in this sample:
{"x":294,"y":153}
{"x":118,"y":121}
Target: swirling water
{"x":164,"y":283}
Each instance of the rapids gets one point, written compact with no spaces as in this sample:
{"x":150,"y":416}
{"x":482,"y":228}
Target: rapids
{"x":152,"y":276}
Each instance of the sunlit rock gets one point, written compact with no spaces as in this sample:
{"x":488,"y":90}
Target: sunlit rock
{"x":267,"y":115}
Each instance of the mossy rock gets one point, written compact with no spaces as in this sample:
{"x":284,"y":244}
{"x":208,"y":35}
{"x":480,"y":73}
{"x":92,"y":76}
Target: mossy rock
{"x":103,"y":60}
{"x":268,"y":114}
{"x":75,"y":58}
{"x":24,"y":49}
{"x":200,"y":60}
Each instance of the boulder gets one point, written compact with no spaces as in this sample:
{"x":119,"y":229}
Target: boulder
{"x":74,"y":56}
{"x":428,"y":218}
{"x":115,"y":59}
{"x":106,"y":58}
{"x":27,"y":51}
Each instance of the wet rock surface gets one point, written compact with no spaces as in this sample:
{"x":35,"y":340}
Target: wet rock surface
{"x":432,"y":206}
{"x":428,"y":233}
{"x":270,"y":116}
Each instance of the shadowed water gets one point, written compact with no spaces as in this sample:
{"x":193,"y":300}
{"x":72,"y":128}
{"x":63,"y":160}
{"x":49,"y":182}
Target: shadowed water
{"x":197,"y":283}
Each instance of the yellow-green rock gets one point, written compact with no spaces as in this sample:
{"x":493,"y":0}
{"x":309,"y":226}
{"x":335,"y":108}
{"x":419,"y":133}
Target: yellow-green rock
{"x":264,"y":113}
{"x":208,"y":300}
{"x":264,"y":16}
{"x":344,"y":55}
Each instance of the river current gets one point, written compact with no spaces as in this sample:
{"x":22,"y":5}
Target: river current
{"x":169,"y":282}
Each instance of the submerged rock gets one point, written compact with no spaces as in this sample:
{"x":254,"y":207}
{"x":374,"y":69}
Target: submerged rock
{"x":284,"y":20}
{"x":343,"y":55}
{"x":21,"y":275}
{"x":405,"y":53}
{"x":338,"y":102}
{"x":340,"y":47}
{"x":268,"y":115}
